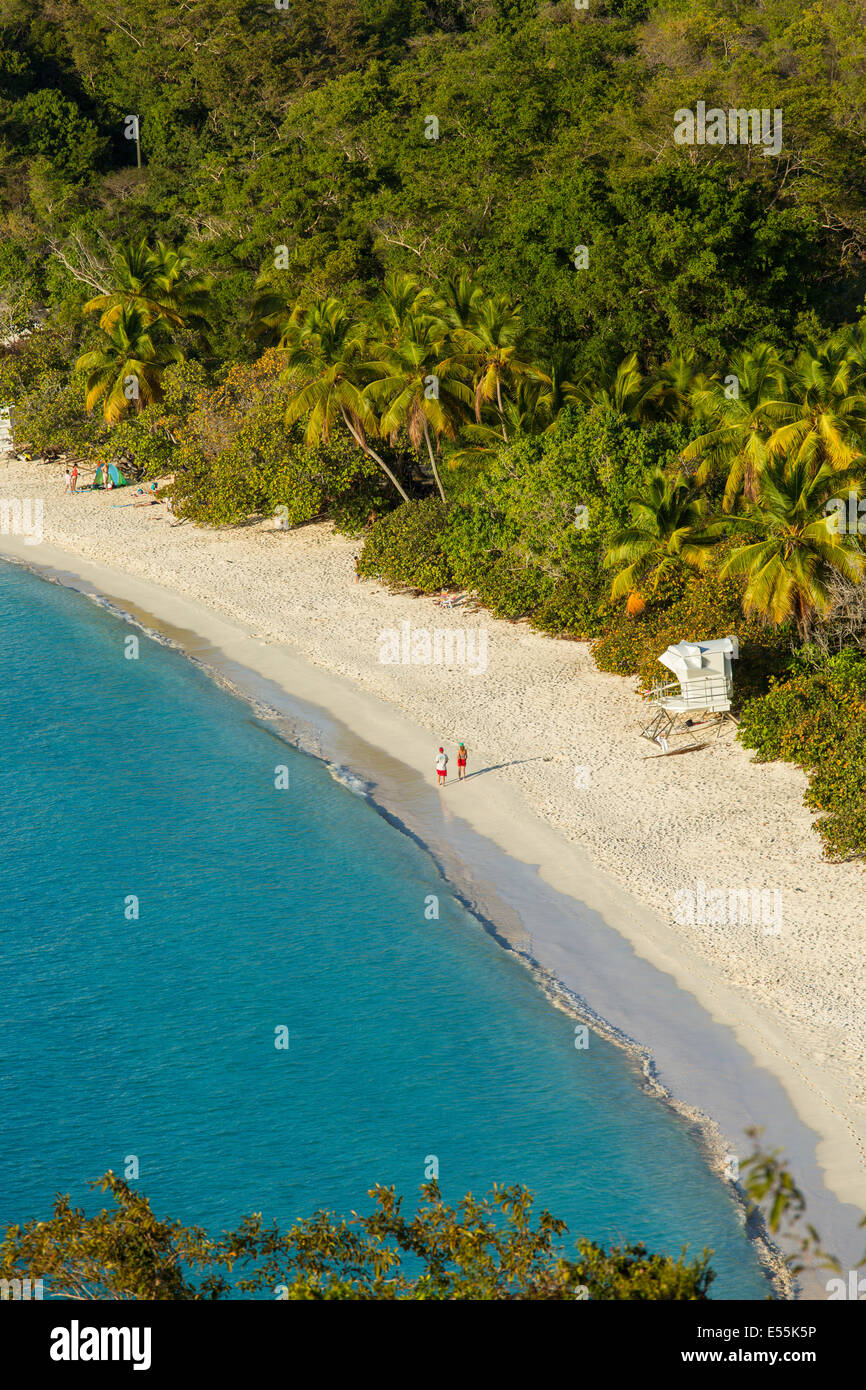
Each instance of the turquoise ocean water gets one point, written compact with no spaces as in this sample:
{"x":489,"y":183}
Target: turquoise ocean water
{"x":262,"y":908}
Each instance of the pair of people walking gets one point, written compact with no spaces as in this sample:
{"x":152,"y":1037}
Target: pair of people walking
{"x":442,"y":765}
{"x":71,"y":478}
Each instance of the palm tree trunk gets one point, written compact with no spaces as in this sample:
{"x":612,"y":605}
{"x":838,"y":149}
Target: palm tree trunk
{"x":371,"y":453}
{"x":499,"y":404}
{"x":433,"y":462}
{"x":801,"y":616}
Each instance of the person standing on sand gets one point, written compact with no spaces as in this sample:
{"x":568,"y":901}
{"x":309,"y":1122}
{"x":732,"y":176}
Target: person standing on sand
{"x":442,"y":767}
{"x":73,"y":477}
{"x":461,"y":763}
{"x":67,"y":485}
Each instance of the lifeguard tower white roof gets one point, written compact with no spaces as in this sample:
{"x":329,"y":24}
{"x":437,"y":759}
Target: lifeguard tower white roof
{"x":689,"y":660}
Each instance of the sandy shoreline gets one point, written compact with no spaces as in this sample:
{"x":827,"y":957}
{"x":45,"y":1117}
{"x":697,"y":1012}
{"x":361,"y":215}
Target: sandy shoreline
{"x":562,"y":788}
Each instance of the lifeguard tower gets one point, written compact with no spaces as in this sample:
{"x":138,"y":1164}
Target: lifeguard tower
{"x":702,"y":692}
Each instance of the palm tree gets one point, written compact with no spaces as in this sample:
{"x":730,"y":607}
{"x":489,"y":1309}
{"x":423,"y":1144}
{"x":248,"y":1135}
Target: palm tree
{"x":524,"y":415}
{"x":736,"y":409}
{"x":272,"y":312}
{"x":458,"y":300}
{"x":402,"y":297}
{"x":181,"y":290}
{"x":325,"y":364}
{"x":160,"y":282}
{"x":490,"y":347}
{"x":418,"y":389}
{"x":132,"y":350}
{"x":553,"y":391}
{"x":679,"y":384}
{"x":134,"y":273}
{"x":790,"y":566}
{"x":670,"y":528}
{"x":824,"y":416}
{"x":627,"y":390}
{"x":853,"y":341}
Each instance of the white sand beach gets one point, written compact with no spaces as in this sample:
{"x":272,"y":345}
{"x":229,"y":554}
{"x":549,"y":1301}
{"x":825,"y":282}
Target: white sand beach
{"x":568,"y":784}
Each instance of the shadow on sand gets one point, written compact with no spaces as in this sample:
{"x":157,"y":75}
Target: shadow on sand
{"x":515,"y":762}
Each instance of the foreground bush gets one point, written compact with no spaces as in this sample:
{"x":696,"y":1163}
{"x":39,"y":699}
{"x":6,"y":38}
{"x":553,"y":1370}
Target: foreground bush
{"x":482,"y":1249}
{"x":46,"y":396}
{"x":529,"y":533}
{"x":816,"y":718}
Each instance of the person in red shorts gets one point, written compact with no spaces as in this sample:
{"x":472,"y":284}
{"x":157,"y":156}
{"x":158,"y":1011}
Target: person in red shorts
{"x":442,"y":767}
{"x":461,"y":763}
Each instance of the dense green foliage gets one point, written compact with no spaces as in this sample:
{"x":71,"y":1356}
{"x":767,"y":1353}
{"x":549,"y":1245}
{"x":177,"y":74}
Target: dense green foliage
{"x":816,"y":718}
{"x":405,"y":548}
{"x":531,"y":535}
{"x":529,"y":532}
{"x":482,"y":1250}
{"x":558,"y":120}
{"x":237,"y":458}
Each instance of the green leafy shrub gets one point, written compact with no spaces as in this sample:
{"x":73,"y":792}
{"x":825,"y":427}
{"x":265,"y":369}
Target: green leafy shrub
{"x":816,"y":718}
{"x":405,"y":547}
{"x":529,"y":535}
{"x":46,"y":395}
{"x":238,"y":459}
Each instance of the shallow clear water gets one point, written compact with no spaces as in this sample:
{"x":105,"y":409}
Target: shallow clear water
{"x":261,"y":908}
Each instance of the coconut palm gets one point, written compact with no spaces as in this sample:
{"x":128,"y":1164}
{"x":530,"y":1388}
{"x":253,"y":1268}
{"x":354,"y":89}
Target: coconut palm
{"x":823,"y":416}
{"x":180,"y":289}
{"x":127,"y":365}
{"x":133,"y":272}
{"x":418,"y":388}
{"x":627,"y":390}
{"x":325,"y":366}
{"x":797,"y":550}
{"x":525,"y":415}
{"x":736,"y":410}
{"x":160,"y":282}
{"x":458,"y":300}
{"x":402,"y":296}
{"x":679,"y":384}
{"x":553,"y":390}
{"x":272,"y":312}
{"x":490,"y":346}
{"x":670,"y":528}
{"x":852,"y":339}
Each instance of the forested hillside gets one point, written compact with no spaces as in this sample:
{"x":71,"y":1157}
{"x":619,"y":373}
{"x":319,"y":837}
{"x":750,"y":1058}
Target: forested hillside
{"x":305,"y":127}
